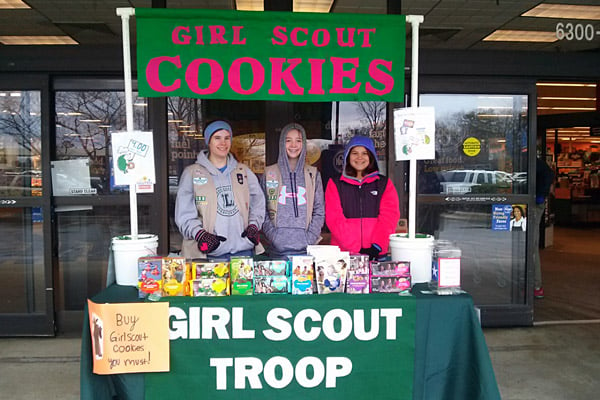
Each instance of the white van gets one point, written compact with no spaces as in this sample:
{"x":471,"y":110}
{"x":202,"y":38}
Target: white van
{"x":461,"y":181}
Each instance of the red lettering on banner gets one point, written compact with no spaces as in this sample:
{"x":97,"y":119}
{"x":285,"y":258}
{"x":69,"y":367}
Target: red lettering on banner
{"x":236,"y":35}
{"x":380,"y":76}
{"x":280,"y":37}
{"x":234,"y":76}
{"x":279,"y":33}
{"x":365,"y":33}
{"x":153,"y":77}
{"x":217,"y":33}
{"x":340,"y":37}
{"x":315,"y":38}
{"x":339,"y":74}
{"x":316,"y":71}
{"x":380,"y":72}
{"x":294,"y":36}
{"x":278,"y":74}
{"x":216,"y":74}
{"x":183,"y":39}
{"x":199,"y":35}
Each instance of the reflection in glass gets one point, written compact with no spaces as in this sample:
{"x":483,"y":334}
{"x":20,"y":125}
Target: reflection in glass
{"x":84,"y":122}
{"x":480,"y":144}
{"x":22,"y":262}
{"x":497,"y":278}
{"x":20,"y":144}
{"x":84,"y":239}
{"x":366,"y":118}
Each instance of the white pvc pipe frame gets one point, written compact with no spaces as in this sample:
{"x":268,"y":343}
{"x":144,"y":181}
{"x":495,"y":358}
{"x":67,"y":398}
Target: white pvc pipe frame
{"x":414,"y":20}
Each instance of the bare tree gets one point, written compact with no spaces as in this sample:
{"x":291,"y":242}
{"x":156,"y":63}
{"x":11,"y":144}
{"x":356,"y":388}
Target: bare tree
{"x":373,"y":112}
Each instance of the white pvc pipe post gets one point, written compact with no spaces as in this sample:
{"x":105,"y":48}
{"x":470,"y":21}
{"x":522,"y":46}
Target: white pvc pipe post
{"x":414,"y":21}
{"x":125,"y":13}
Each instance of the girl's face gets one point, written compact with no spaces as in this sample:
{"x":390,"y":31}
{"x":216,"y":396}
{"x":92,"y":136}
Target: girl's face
{"x":359,"y":159}
{"x":293,"y":144}
{"x":220,"y":143}
{"x":517,"y":213}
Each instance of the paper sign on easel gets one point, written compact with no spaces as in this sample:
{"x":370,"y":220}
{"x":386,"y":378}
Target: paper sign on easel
{"x":414,"y":133}
{"x":133,"y":160}
{"x":129,"y":337}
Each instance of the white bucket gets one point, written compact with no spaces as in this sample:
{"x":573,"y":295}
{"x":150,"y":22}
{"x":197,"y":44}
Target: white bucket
{"x":126,"y":252}
{"x":417,"y":250}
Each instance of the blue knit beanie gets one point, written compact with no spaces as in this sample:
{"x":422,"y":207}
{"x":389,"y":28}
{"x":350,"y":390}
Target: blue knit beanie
{"x":214,"y":127}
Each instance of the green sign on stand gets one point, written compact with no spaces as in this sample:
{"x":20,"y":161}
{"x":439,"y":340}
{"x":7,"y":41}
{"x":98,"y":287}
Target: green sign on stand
{"x":241,"y":55}
{"x":337,"y":346}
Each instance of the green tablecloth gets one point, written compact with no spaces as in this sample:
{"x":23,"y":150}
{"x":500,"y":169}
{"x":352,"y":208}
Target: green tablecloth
{"x":451,"y":358}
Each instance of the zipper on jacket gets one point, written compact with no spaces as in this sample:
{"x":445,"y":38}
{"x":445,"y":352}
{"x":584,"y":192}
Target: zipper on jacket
{"x":294,"y":199}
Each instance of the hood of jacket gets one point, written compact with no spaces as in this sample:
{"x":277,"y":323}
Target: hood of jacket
{"x":368,"y":144}
{"x":282,"y":160}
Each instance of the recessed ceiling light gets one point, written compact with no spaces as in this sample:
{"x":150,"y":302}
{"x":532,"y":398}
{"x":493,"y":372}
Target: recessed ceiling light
{"x":568,"y":108}
{"x":36,"y":40}
{"x":250,"y":5}
{"x":321,"y":6}
{"x":10,"y":4}
{"x":565,"y":84}
{"x":564,"y":11}
{"x":567,"y":98}
{"x":521,"y":36}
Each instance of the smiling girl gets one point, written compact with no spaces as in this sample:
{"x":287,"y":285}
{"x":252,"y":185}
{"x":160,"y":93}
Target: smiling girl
{"x":361,"y":206}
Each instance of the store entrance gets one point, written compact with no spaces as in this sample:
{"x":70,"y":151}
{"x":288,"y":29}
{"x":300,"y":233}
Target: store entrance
{"x":567,"y":124}
{"x":26,"y":305}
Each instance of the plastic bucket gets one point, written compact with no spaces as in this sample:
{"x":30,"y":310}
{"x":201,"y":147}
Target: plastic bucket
{"x":126,"y":252}
{"x":417,"y":250}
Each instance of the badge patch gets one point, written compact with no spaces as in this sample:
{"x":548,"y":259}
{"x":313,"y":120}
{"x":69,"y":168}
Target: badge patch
{"x":272,"y":184}
{"x":201,"y":180}
{"x":374,"y":192}
{"x":240,"y":179}
{"x":200,"y":199}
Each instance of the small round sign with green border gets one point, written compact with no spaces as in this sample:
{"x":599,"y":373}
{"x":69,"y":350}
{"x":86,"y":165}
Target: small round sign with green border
{"x":471,"y":146}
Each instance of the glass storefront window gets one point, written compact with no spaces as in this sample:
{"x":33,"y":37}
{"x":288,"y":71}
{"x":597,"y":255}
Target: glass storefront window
{"x":20,"y":144}
{"x":328,"y":127}
{"x":84,"y":122}
{"x":366,"y":118}
{"x":84,"y":238}
{"x":22,"y":261}
{"x":492,"y":262}
{"x":480,"y":145}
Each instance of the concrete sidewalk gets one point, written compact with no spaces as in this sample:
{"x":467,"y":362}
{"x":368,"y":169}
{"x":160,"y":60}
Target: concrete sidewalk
{"x":550,"y":362}
{"x":39,"y":368}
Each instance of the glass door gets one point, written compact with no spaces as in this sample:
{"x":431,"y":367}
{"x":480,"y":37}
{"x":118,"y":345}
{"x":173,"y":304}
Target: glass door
{"x":477,"y":192}
{"x":26,"y":304}
{"x":89,"y":208}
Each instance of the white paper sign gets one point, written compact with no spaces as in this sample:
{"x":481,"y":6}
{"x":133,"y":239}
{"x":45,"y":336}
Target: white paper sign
{"x":71,"y":177}
{"x":414,"y":133}
{"x":133,"y":158}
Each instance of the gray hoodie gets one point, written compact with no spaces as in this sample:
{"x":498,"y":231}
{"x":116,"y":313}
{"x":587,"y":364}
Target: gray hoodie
{"x":229,"y":222}
{"x":289,"y":234}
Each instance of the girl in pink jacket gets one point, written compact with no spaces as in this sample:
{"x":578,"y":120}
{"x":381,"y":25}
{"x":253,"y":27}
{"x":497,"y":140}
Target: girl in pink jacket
{"x":361,"y":206}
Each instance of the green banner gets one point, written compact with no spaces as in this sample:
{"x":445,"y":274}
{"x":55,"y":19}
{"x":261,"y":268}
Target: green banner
{"x":243,"y":55}
{"x":337,"y":346}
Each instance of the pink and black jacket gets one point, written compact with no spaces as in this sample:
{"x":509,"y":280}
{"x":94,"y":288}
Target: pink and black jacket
{"x":360,"y":213}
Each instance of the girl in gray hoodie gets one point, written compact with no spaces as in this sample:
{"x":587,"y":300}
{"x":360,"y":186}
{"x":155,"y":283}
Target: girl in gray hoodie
{"x":220,"y":206}
{"x":294,"y":195}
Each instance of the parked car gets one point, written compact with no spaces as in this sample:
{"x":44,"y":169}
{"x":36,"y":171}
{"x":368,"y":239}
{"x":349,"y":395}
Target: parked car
{"x":457,"y":182}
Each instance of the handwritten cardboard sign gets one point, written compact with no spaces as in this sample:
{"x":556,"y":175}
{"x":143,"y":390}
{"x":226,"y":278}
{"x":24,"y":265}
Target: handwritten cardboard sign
{"x":129,"y":337}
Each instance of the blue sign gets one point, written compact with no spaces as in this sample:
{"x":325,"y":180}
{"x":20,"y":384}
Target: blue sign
{"x":501,"y":217}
